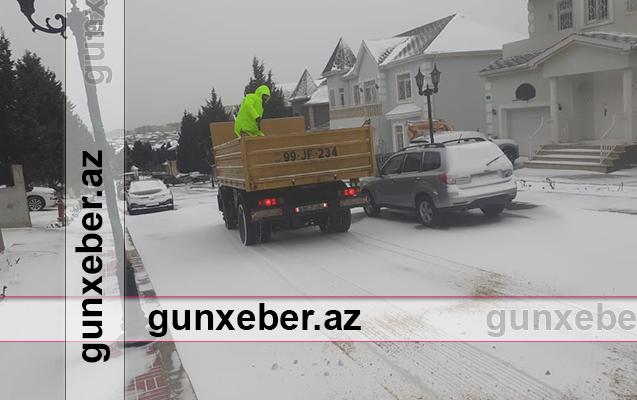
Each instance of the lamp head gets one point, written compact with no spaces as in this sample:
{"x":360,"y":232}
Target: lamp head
{"x":420,"y":80}
{"x":435,"y":77}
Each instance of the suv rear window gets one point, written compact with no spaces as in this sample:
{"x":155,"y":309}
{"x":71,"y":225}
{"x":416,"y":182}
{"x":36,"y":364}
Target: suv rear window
{"x":412,"y":162}
{"x":393,"y":165}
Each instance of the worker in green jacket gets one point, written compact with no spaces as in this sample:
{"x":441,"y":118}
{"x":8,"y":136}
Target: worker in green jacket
{"x":248,"y":120}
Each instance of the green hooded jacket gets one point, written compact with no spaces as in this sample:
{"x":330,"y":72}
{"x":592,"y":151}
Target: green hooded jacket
{"x":251,"y":109}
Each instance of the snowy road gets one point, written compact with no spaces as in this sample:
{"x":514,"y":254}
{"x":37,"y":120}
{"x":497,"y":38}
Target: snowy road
{"x":546,"y":244}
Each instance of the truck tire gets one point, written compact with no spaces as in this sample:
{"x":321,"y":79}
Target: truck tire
{"x":247,"y":229}
{"x":264,"y":232}
{"x":337,"y":222}
{"x":225,"y":206}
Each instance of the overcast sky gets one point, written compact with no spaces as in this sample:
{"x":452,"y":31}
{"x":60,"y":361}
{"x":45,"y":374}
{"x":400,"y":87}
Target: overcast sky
{"x":176,"y":51}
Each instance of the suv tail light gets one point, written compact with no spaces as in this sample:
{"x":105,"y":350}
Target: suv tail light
{"x":269,"y":202}
{"x":350,"y":192}
{"x":444,"y":178}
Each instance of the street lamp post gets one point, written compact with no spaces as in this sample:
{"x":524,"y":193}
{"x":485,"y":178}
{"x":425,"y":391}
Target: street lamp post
{"x":28,"y":9}
{"x":133,"y":316}
{"x":428,"y":91}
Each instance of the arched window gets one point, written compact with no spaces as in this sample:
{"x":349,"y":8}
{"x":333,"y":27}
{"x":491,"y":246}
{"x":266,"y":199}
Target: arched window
{"x":525,"y":92}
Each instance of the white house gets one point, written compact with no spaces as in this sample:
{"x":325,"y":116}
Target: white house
{"x":378,"y":83}
{"x":569,"y":86}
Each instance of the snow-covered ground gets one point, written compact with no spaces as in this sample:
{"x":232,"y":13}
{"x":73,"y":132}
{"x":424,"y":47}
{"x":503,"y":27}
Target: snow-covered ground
{"x":553,"y":241}
{"x":35,"y":264}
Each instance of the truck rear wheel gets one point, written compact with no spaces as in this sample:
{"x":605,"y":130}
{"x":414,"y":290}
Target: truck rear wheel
{"x":225,"y":206}
{"x":247,"y":229}
{"x":337,"y":222}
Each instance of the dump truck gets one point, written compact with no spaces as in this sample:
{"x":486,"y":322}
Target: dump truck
{"x":289,"y":178}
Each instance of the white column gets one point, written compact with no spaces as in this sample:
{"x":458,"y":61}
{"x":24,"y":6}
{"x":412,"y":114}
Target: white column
{"x":555,"y":125}
{"x":311,"y":115}
{"x":628,"y":104}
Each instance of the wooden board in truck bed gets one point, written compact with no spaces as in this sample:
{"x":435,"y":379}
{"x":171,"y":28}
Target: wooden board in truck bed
{"x":288,"y":156}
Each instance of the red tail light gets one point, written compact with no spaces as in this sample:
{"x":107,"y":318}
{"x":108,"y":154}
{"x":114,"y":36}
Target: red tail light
{"x":443,"y":178}
{"x":350,"y":192}
{"x":271,"y":202}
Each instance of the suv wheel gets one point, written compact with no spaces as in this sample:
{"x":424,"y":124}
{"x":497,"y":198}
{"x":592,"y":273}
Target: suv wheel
{"x":427,"y":211}
{"x":370,"y":207}
{"x":492,"y":210}
{"x":247,"y":229}
{"x":36,"y":203}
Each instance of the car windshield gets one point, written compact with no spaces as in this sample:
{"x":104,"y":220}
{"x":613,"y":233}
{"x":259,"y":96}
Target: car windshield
{"x":146,"y":187}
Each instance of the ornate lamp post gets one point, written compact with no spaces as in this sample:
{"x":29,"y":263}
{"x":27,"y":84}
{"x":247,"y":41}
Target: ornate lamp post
{"x":28,"y":9}
{"x":428,"y":91}
{"x":133,"y":316}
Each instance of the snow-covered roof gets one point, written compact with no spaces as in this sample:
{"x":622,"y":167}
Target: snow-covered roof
{"x":455,"y":33}
{"x":382,"y":48}
{"x":342,"y":58}
{"x":320,"y":96}
{"x":404,"y":110}
{"x":287,"y":88}
{"x":620,"y":41}
{"x":305,"y":88}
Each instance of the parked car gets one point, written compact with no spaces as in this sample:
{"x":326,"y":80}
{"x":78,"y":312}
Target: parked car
{"x":198,"y":177}
{"x":165,"y":177}
{"x":39,"y":198}
{"x":149,"y":194}
{"x":508,"y":146}
{"x":433,"y":179}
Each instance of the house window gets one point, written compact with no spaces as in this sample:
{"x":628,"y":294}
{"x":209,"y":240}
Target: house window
{"x":357,"y":95}
{"x":564,"y":14}
{"x":370,"y":92}
{"x":596,"y":11}
{"x":631,"y":5}
{"x":341,"y":97}
{"x":399,"y":137}
{"x":332,"y":98}
{"x":404,"y":86}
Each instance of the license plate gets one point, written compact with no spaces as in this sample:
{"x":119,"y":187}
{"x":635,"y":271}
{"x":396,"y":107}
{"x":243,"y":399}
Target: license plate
{"x":312,"y":207}
{"x":152,"y":205}
{"x":309,"y":154}
{"x":357,"y":201}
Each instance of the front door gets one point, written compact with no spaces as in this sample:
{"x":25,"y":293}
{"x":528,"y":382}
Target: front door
{"x":386,"y":185}
{"x":408,"y":179}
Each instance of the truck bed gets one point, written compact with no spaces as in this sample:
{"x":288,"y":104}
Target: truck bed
{"x":284,"y":158}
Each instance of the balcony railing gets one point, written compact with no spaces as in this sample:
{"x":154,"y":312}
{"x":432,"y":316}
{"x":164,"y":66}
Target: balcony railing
{"x":362,"y":111}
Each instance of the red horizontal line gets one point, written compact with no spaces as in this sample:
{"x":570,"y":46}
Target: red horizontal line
{"x":321,"y":341}
{"x":326,"y":297}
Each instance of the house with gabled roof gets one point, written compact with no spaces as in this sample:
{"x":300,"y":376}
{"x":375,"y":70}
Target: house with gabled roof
{"x":309,"y":99}
{"x":377,"y":83}
{"x":567,"y":92}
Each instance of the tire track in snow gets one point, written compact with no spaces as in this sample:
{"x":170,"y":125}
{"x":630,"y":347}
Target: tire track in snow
{"x":398,"y":366}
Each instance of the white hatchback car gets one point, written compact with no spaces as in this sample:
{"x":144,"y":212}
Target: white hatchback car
{"x":40,"y":198}
{"x":149,"y":194}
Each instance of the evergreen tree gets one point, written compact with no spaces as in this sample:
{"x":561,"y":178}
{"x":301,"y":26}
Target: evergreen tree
{"x":275,"y":107}
{"x":7,"y":109}
{"x":212,"y":111}
{"x":38,"y":139}
{"x":188,"y":151}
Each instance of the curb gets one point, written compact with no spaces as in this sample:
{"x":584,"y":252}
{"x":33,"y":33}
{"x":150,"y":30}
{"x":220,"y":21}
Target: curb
{"x":166,"y":378}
